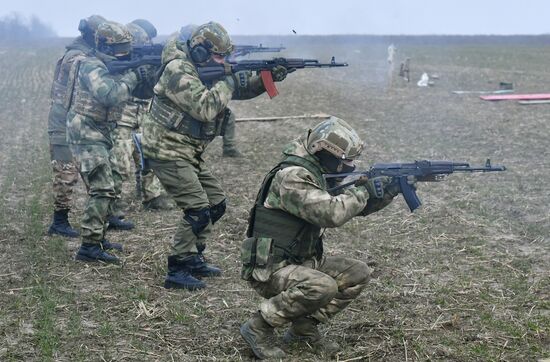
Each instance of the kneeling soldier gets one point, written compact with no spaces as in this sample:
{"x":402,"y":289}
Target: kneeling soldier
{"x":283,"y":255}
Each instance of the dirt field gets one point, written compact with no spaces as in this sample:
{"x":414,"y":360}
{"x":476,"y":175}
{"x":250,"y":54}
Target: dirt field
{"x":464,"y":278}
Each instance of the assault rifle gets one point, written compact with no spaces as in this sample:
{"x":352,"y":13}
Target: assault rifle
{"x":242,"y":50}
{"x":212,"y":72}
{"x":150,"y":54}
{"x":404,"y":174}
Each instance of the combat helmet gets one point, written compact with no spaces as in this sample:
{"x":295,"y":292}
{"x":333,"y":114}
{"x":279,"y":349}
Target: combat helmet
{"x":207,"y":39}
{"x":113,"y":39}
{"x":146,"y":26}
{"x":88,"y":28}
{"x":336,"y":137}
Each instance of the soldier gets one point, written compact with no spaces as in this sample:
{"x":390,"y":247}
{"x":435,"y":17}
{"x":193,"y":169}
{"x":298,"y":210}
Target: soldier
{"x":97,"y":99}
{"x":185,"y":116}
{"x":148,"y":186}
{"x":228,"y":132}
{"x":283,"y":255}
{"x":65,"y":171}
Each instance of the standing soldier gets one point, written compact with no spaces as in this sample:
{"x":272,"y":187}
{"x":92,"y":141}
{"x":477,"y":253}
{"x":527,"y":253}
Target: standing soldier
{"x":185,"y":116}
{"x":228,"y":132}
{"x":150,"y":190}
{"x":97,"y":99}
{"x":283,"y":255}
{"x":65,"y":171}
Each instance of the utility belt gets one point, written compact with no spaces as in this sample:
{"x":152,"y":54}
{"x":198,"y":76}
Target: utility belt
{"x":95,"y":110}
{"x":181,"y":122}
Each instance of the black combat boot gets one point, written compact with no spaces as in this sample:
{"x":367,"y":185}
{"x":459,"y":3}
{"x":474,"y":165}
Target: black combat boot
{"x":61,"y":226}
{"x":94,"y":252}
{"x":198,"y":267}
{"x":107,"y":245}
{"x":179,"y":277}
{"x":116,"y":223}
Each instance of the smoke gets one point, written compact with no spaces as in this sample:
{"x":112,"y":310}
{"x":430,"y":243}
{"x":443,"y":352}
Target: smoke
{"x":15,"y":28}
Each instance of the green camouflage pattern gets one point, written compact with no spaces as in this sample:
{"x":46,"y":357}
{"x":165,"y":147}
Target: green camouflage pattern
{"x":123,"y":147}
{"x":315,"y":289}
{"x":180,"y":85}
{"x":151,"y":187}
{"x":65,"y":177}
{"x":215,"y":34}
{"x":337,"y":137}
{"x":297,"y":191}
{"x":110,"y":32}
{"x":193,"y":187}
{"x":139,"y":35}
{"x":96,"y":93}
{"x":100,"y":92}
{"x":57,"y":117}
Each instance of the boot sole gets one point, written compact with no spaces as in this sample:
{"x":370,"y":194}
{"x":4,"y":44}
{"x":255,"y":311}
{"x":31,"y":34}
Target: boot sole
{"x":52,"y":232}
{"x":87,"y":258}
{"x":209,"y":275}
{"x":172,"y":285}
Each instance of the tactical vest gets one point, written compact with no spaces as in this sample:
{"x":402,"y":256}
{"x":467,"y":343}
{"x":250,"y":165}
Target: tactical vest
{"x":169,"y":115}
{"x":166,"y":113}
{"x":64,"y":79}
{"x":84,"y":103}
{"x":294,"y":239}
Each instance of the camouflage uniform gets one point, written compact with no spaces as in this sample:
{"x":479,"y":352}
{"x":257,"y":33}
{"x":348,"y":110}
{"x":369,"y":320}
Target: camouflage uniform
{"x":283,"y":255}
{"x":65,"y":172}
{"x":97,"y":100}
{"x":130,"y":121}
{"x":228,"y":132}
{"x":184,"y":118}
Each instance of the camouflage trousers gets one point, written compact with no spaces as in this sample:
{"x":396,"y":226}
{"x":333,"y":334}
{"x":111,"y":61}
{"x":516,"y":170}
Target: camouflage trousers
{"x":65,"y":176}
{"x":126,"y":155}
{"x":318,"y":289}
{"x":103,"y":181}
{"x":229,"y":141}
{"x":193,"y":188}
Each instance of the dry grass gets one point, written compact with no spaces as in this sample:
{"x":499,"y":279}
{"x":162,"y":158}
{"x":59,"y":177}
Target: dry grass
{"x":464,"y":278}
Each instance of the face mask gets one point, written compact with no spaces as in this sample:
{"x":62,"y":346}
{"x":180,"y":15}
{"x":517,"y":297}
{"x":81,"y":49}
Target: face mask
{"x":333,"y":164}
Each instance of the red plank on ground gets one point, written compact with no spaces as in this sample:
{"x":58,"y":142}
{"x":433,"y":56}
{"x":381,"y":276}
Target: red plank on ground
{"x":511,"y":97}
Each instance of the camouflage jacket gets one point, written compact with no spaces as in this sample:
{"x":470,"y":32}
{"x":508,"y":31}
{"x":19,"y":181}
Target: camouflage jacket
{"x":59,"y":100}
{"x":180,"y":87}
{"x":97,"y":101}
{"x":295,"y":190}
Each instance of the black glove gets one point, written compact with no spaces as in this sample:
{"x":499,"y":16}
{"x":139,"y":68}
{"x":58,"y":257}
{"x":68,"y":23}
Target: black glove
{"x":375,"y":186}
{"x":146,"y":74}
{"x":279,"y":73}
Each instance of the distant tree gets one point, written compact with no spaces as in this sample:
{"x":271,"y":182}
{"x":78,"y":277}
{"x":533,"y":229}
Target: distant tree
{"x":17,"y":28}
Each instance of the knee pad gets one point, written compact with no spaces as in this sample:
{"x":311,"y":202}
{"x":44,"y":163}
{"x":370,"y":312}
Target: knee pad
{"x":217,"y":211}
{"x":198,"y":218}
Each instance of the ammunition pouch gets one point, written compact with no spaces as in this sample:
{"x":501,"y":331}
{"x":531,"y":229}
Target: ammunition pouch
{"x":178,"y":121}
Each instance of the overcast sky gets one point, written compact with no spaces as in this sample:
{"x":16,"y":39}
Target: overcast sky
{"x":242,"y":17}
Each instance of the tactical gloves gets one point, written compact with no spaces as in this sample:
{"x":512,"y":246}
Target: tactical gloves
{"x":279,"y":73}
{"x":375,"y":186}
{"x":146,"y":74}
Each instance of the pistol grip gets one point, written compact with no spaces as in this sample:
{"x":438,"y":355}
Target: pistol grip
{"x":409,"y":193}
{"x":269,"y":84}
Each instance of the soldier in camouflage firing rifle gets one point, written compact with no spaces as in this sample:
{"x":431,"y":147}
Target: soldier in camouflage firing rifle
{"x":148,"y":187}
{"x":283,"y":255}
{"x":185,"y":116}
{"x":65,"y":170}
{"x":97,"y":100}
